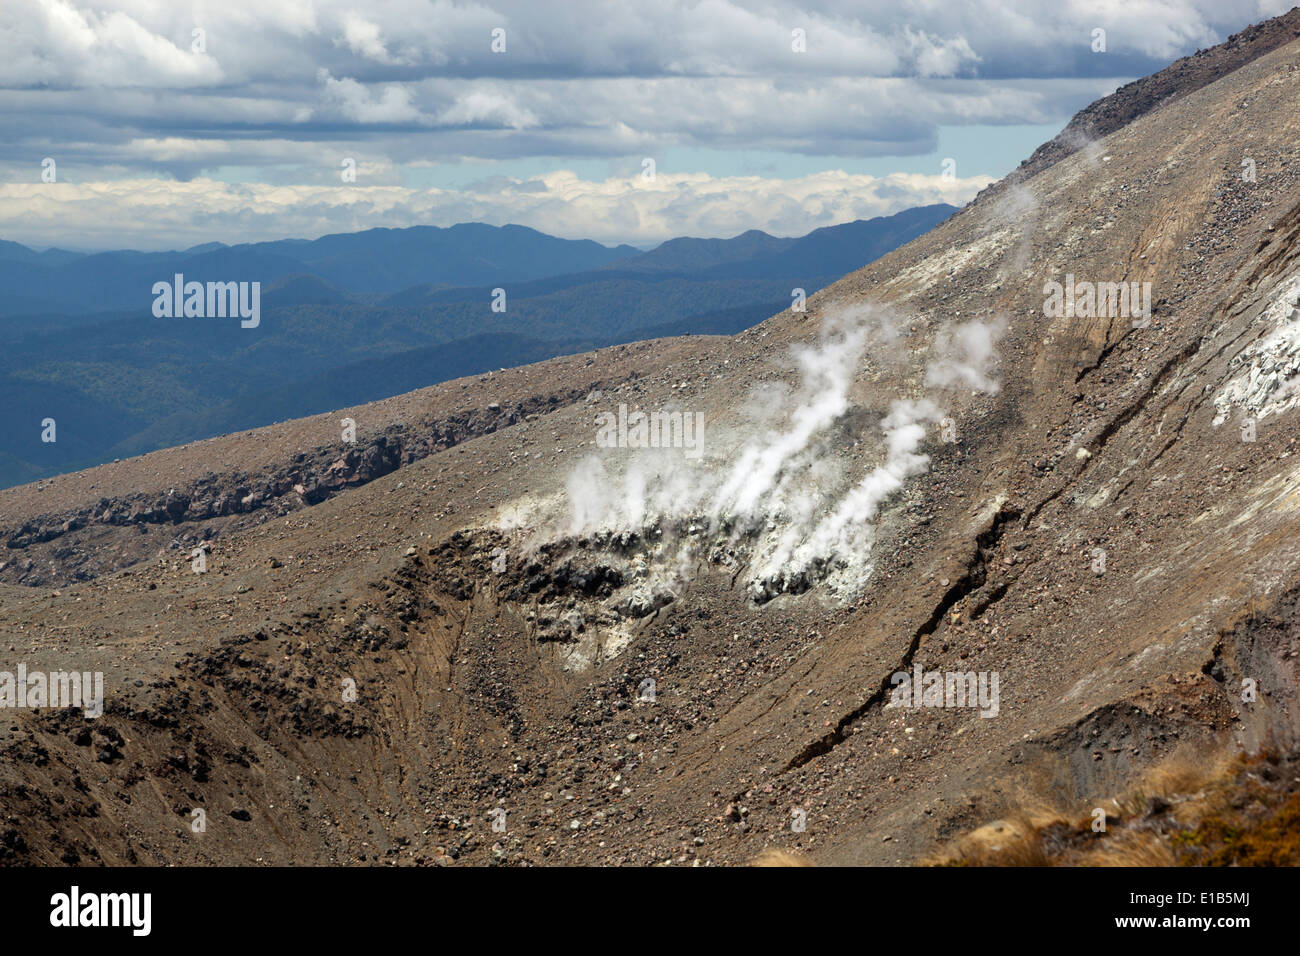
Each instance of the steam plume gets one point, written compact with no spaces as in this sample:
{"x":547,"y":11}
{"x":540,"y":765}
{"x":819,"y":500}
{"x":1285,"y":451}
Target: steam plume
{"x":779,"y":492}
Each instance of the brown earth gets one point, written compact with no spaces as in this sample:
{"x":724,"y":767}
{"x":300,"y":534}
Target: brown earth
{"x":519,"y":687}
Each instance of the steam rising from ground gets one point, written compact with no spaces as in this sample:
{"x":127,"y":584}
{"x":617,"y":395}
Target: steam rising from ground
{"x":792,"y":489}
{"x":1018,"y":207}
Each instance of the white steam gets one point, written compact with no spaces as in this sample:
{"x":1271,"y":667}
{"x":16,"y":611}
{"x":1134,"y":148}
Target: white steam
{"x":1019,"y":209}
{"x":793,"y":492}
{"x":766,"y":466}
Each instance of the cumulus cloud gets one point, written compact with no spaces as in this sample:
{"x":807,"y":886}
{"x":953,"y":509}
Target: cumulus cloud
{"x":246,"y":90}
{"x":59,"y":43}
{"x":390,"y":103}
{"x":935,"y":56}
{"x":362,"y":37}
{"x":488,"y":108}
{"x":156,"y":214}
{"x":258,"y":41}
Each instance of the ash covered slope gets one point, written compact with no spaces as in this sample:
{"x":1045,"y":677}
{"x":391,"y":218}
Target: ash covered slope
{"x":501,"y":600}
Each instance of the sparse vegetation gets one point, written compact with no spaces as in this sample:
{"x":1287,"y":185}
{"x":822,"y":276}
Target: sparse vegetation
{"x":1193,"y":809}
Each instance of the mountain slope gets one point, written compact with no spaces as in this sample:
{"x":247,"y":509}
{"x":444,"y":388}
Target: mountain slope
{"x":538,"y":623}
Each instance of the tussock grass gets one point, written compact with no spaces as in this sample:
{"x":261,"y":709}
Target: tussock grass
{"x":774,"y":857}
{"x":1195,"y":808}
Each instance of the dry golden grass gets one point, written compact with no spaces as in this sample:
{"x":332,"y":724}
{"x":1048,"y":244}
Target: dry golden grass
{"x":1183,"y":780}
{"x":1013,"y":841}
{"x":1148,"y":825}
{"x":773,"y":857}
{"x":1127,"y":848}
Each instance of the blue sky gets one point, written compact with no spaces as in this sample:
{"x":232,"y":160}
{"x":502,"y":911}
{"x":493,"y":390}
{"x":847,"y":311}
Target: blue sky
{"x":172,"y":123}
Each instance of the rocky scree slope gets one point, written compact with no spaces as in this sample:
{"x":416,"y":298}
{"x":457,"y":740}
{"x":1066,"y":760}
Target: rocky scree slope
{"x":521,"y":685}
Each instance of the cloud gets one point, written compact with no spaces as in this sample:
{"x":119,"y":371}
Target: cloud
{"x":370,"y":105}
{"x":489,"y":108}
{"x":156,"y":214}
{"x":279,"y":92}
{"x":257,"y":41}
{"x":54,"y":43}
{"x":934,"y":56}
{"x":362,"y":37}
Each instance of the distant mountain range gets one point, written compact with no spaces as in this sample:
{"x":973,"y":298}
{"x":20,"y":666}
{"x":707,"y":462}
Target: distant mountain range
{"x":355,"y":317}
{"x":377,"y":260}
